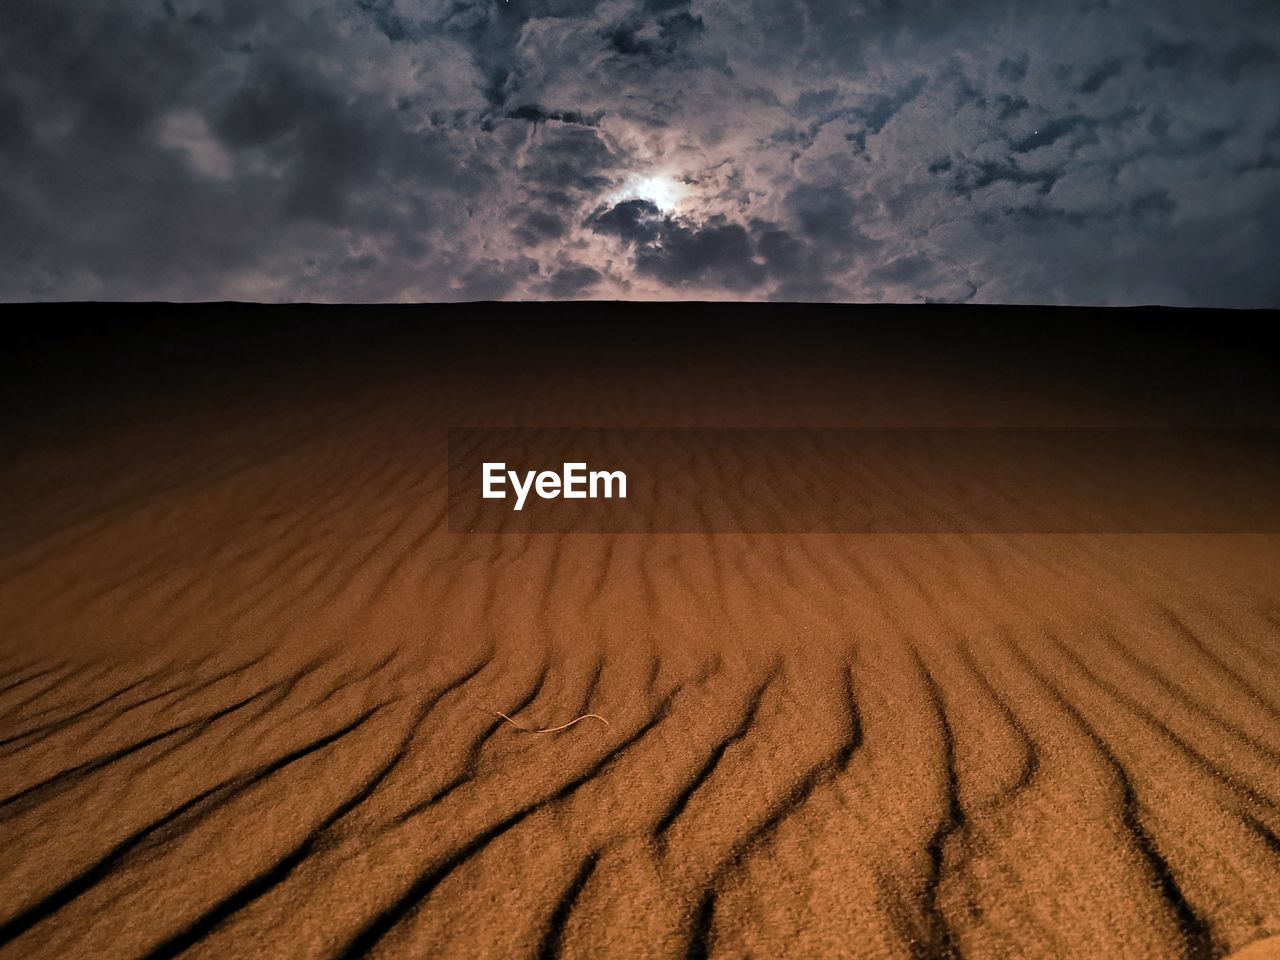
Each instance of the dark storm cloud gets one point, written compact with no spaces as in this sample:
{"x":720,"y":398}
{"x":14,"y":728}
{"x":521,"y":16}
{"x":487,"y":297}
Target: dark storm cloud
{"x":1052,"y":131}
{"x":739,"y":258}
{"x":536,"y":114}
{"x":656,"y":38}
{"x":569,"y":283}
{"x":828,"y":215}
{"x":445,"y":149}
{"x":1101,"y":74}
{"x":541,"y":225}
{"x":978,"y":176}
{"x":677,"y":252}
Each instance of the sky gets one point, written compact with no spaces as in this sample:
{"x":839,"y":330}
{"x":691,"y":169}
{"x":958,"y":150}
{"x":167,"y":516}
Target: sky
{"x":1101,"y":153}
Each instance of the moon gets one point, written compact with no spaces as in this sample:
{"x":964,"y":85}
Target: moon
{"x":663,"y":190}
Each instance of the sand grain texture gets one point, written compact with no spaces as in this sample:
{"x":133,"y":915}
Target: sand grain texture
{"x":248,"y":684}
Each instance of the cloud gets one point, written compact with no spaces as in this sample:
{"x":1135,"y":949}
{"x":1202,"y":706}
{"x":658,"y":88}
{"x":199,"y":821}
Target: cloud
{"x":423,"y":149}
{"x":677,"y":253}
{"x":574,"y":282}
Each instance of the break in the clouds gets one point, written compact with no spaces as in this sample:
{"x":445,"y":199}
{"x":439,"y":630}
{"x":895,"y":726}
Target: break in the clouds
{"x":1095,"y":153}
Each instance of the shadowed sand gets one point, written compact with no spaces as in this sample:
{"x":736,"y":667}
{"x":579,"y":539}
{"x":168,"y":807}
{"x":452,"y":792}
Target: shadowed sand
{"x":248,"y":685}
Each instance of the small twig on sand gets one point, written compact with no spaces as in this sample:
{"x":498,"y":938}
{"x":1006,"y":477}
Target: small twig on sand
{"x":563,"y":726}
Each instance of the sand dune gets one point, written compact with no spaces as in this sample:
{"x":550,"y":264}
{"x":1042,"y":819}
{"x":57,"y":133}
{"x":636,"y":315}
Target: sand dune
{"x":248,"y":683}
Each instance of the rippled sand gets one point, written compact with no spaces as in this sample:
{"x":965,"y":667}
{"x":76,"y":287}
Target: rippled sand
{"x":249,"y":680}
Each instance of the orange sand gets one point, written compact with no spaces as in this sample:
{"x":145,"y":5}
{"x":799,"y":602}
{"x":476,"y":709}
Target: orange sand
{"x":248,"y":683}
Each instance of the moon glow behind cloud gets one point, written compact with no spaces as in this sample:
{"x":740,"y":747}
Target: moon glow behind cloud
{"x":983,"y":150}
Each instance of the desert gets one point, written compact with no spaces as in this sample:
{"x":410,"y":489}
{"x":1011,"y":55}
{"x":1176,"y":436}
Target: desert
{"x":258,"y":699}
